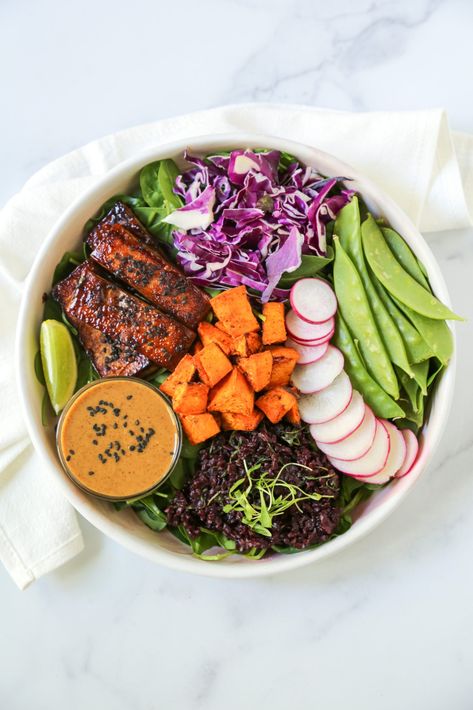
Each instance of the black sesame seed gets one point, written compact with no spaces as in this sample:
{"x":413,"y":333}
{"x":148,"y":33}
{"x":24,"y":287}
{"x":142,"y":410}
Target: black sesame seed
{"x":68,"y":458}
{"x":130,"y":396}
{"x":137,"y":422}
{"x":132,"y":448}
{"x":91,"y":473}
{"x":95,"y":442}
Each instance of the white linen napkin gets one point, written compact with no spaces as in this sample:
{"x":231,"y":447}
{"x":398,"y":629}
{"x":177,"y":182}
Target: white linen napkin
{"x":413,"y":156}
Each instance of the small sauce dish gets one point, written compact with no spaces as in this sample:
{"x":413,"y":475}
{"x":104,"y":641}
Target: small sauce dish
{"x":118,"y":438}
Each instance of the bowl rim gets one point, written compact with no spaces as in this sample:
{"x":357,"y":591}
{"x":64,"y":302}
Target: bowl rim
{"x":187,"y":562}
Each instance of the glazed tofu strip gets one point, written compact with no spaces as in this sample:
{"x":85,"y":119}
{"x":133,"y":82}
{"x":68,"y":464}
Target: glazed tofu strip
{"x":109,"y":357}
{"x":120,"y":214}
{"x":126,"y":255}
{"x":138,"y":326}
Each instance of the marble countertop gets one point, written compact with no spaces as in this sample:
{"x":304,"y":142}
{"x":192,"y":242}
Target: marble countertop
{"x":385,"y":624}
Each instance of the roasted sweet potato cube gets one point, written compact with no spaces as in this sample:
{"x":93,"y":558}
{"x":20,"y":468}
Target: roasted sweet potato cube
{"x":184,"y":372}
{"x":253,"y":343}
{"x":293,"y":415}
{"x":232,"y":394}
{"x":257,"y":369}
{"x":276,"y":403}
{"x":274,"y":326}
{"x":199,"y":427}
{"x":190,"y":398}
{"x":241,"y":422}
{"x":221,"y":326}
{"x":210,"y":334}
{"x":284,"y":362}
{"x":233,"y":309}
{"x":239,"y":346}
{"x":212,"y":364}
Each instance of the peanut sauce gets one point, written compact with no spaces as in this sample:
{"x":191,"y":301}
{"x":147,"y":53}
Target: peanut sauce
{"x":118,"y":438}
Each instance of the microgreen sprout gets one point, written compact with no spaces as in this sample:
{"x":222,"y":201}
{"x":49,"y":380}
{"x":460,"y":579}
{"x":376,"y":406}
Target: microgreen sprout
{"x":261,"y":497}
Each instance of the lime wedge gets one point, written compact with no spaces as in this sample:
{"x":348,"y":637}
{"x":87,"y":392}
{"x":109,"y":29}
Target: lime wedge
{"x":59,"y":362}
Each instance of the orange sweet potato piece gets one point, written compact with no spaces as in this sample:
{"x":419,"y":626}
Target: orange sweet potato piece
{"x":233,"y":309}
{"x":232,"y":394}
{"x":199,"y":427}
{"x":184,"y":372}
{"x":293,"y":415}
{"x":241,"y":422}
{"x":221,"y":326}
{"x":284,"y":362}
{"x":276,"y":403}
{"x":190,"y":398}
{"x":239,"y":346}
{"x":253,"y":343}
{"x":210,"y":334}
{"x":212,"y":364}
{"x":274,"y":326}
{"x":197,"y":347}
{"x":257,"y":369}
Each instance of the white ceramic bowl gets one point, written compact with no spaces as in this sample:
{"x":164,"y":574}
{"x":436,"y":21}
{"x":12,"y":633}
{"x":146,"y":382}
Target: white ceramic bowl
{"x":124,"y":526}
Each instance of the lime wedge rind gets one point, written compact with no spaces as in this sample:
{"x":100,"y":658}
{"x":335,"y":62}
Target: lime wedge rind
{"x":59,"y":362}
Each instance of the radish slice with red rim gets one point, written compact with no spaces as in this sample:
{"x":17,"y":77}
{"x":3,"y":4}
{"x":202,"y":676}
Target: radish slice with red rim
{"x":356,"y":444}
{"x":318,"y":375}
{"x":300,"y":329}
{"x":342,"y":426}
{"x":397,"y":453}
{"x":313,"y":300}
{"x":313,"y":343}
{"x":370,"y":463}
{"x":412,"y":448}
{"x":307,"y":353}
{"x":328,"y":403}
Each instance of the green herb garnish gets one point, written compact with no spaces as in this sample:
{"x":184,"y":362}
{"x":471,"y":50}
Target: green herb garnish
{"x":261,"y":497}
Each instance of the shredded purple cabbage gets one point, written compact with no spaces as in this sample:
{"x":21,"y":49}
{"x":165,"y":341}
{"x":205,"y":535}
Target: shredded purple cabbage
{"x":263,"y":219}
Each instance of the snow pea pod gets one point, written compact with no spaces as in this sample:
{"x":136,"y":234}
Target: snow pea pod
{"x":405,"y":256}
{"x":410,"y":387}
{"x":416,"y":347}
{"x":436,"y":333}
{"x":420,"y":373}
{"x":348,"y":229}
{"x":434,"y":372}
{"x":374,"y":395}
{"x":395,"y":279}
{"x":355,"y":309}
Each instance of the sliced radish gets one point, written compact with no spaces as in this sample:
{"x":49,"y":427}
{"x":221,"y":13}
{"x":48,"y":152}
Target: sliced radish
{"x":412,"y":447}
{"x":313,"y":300}
{"x":372,"y":462}
{"x":342,"y":426}
{"x":397,"y":453}
{"x":356,"y":444}
{"x":320,"y":374}
{"x":300,"y":329}
{"x":328,"y":403}
{"x":307,"y":353}
{"x":317,"y":341}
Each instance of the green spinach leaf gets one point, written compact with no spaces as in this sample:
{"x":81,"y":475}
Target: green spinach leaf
{"x":310,"y":266}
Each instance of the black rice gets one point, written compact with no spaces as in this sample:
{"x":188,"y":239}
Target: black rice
{"x":220,"y":465}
